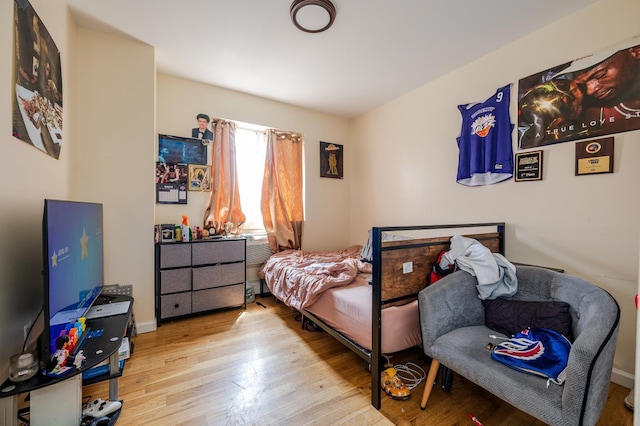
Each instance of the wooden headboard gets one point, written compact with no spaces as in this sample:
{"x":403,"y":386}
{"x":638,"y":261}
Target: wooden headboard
{"x":421,"y":254}
{"x":390,"y":285}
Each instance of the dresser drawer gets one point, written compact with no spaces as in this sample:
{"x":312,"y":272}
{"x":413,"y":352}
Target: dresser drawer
{"x":221,"y":297}
{"x":173,"y":305}
{"x":220,"y":251}
{"x":218,"y":275}
{"x":175,"y":255}
{"x":175,"y":280}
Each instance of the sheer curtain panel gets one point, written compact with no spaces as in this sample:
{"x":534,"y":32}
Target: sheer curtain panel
{"x":282,"y":202}
{"x":224,"y":204}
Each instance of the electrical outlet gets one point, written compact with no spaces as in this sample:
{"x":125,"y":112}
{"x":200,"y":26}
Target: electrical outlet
{"x":407,"y":267}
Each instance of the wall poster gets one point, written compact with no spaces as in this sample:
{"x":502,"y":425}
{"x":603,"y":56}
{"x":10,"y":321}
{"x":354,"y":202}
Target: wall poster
{"x":331,"y":160}
{"x":171,"y":173}
{"x":171,"y":183}
{"x":37,"y":83}
{"x":595,"y":95}
{"x":178,"y":149}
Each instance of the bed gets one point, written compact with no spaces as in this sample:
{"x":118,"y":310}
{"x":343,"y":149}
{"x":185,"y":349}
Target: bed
{"x":370,"y":307}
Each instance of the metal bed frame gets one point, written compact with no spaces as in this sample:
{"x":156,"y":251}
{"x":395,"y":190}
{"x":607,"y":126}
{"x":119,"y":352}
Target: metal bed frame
{"x":390,"y":255}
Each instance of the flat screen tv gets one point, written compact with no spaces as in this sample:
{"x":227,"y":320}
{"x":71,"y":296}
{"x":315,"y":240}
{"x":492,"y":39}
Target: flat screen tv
{"x":73,"y":259}
{"x":177,"y":149}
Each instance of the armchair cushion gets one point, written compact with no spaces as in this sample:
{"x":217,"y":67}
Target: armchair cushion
{"x":512,"y":316}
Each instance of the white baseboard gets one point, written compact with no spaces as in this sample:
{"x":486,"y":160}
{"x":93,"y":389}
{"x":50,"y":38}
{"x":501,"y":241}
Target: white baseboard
{"x":146,"y":327}
{"x":622,"y":378}
{"x":8,"y":410}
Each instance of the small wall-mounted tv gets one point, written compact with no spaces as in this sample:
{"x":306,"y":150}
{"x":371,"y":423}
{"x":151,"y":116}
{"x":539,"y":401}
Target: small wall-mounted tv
{"x":177,"y":149}
{"x":73,"y":259}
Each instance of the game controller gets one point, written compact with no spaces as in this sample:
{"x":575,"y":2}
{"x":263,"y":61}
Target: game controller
{"x":100,"y":407}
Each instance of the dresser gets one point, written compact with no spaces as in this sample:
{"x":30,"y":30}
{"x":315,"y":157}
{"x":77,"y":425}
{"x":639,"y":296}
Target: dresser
{"x":199,"y":276}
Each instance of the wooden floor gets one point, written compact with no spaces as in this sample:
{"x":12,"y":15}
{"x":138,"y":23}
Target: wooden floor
{"x":256,"y":366}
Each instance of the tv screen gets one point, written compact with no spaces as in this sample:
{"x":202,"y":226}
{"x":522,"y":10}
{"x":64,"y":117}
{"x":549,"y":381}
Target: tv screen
{"x":176,"y":149}
{"x":74,"y":258}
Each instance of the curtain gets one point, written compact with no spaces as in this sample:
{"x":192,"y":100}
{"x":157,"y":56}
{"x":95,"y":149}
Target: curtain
{"x":281,"y":203}
{"x":224,"y":204}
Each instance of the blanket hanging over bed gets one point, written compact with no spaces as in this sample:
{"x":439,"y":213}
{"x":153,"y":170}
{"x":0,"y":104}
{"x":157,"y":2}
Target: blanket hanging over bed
{"x":298,"y":278}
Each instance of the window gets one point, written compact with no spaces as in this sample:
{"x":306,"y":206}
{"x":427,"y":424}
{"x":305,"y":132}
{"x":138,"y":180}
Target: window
{"x":250,"y":156}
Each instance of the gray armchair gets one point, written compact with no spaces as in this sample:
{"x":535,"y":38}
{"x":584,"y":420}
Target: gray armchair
{"x":454,"y":335}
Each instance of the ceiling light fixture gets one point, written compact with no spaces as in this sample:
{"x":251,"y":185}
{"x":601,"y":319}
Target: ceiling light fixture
{"x":312,"y":16}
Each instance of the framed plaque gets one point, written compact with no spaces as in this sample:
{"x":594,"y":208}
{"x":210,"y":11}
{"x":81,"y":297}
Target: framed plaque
{"x":594,"y":157}
{"x":528,"y":166}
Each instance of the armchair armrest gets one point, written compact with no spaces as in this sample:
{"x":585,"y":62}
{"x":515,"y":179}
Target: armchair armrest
{"x":448,"y":304}
{"x":592,"y":352}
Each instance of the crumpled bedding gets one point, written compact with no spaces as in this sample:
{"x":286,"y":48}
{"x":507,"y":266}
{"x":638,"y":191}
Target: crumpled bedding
{"x":298,"y":278}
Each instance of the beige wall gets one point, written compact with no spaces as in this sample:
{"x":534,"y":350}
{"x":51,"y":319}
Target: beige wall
{"x":30,"y":176}
{"x":114,"y":156}
{"x":394,"y":174}
{"x":587,"y":225}
{"x":326,"y":201}
{"x":326,"y":211}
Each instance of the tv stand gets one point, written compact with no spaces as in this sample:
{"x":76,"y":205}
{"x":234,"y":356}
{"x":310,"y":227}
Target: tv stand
{"x":105,"y":298}
{"x":58,"y":400}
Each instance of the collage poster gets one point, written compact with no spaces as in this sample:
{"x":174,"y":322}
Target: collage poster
{"x":37,"y":84}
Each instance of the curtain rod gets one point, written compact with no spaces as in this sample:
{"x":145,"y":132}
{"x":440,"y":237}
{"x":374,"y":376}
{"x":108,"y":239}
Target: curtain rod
{"x":264,"y":131}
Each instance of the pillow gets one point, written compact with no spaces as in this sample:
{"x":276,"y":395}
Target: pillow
{"x":512,"y":316}
{"x":367,"y":249}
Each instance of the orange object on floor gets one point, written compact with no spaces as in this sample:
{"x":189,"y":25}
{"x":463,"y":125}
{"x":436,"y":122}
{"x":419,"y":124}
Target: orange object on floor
{"x":393,"y":386}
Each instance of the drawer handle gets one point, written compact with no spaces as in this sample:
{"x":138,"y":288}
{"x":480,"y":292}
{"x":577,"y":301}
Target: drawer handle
{"x":177,"y":305}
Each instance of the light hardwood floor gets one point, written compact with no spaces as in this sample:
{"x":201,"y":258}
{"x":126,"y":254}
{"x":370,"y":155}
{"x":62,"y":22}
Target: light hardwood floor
{"x":256,"y":366}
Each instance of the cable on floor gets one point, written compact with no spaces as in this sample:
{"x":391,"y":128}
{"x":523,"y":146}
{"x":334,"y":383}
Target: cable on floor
{"x":410,"y":373}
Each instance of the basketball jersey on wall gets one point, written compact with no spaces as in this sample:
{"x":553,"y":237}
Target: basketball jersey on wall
{"x":484,"y":142}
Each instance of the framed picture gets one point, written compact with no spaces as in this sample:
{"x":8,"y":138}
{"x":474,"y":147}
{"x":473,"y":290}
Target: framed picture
{"x":528,"y":166}
{"x":331,"y":160}
{"x":199,"y":177}
{"x":594,"y":157}
{"x":167,"y":232}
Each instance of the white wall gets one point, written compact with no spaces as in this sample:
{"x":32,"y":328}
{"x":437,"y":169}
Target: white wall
{"x":326,"y":213}
{"x":406,"y":150}
{"x":115,"y":156}
{"x":30,"y":176}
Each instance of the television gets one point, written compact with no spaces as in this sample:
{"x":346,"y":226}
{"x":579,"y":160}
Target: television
{"x":73,"y":260}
